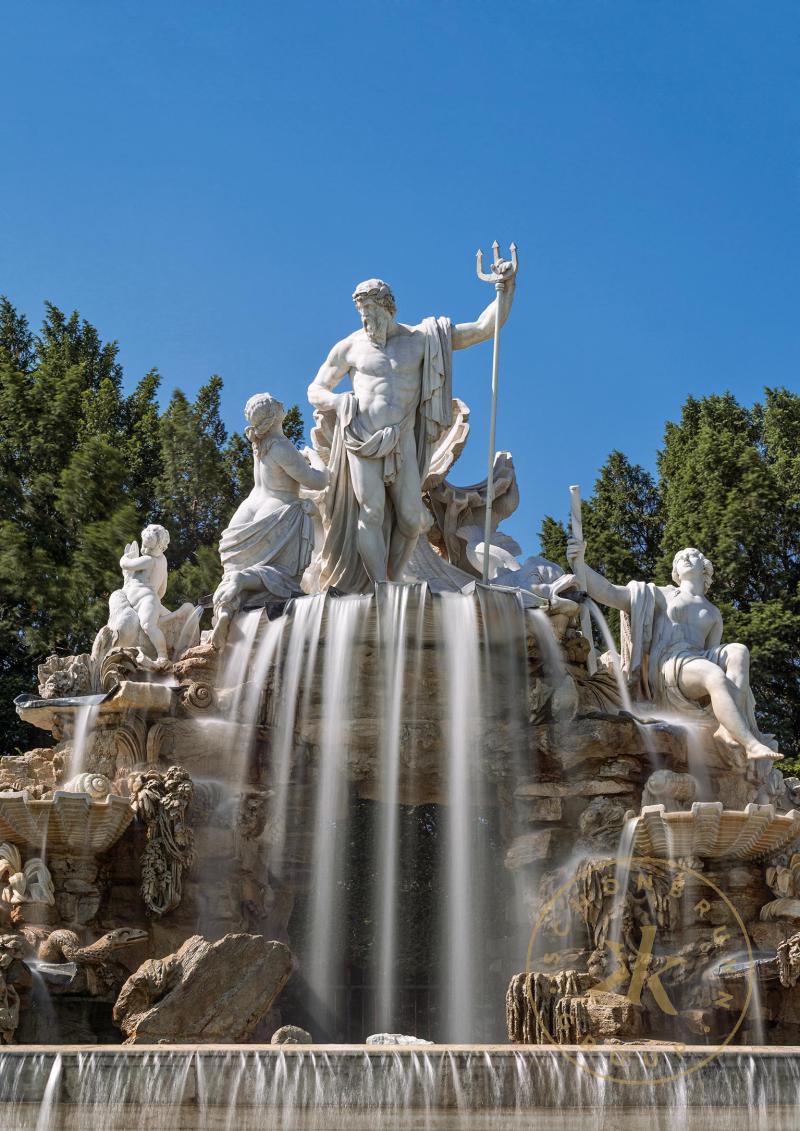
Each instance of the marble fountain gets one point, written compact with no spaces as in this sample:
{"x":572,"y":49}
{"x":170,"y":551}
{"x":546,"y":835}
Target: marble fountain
{"x":389,"y":844}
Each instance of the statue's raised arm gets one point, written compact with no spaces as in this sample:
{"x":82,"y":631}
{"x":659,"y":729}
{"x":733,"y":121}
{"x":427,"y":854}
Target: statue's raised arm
{"x":597,"y":586}
{"x":471,"y":333}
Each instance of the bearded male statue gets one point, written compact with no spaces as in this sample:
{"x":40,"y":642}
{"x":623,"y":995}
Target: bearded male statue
{"x":378,"y":440}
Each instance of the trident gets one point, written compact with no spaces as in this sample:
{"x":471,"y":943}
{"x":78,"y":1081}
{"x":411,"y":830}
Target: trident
{"x":499,"y":285}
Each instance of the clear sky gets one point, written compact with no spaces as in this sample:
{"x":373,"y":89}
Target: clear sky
{"x":206,"y":182}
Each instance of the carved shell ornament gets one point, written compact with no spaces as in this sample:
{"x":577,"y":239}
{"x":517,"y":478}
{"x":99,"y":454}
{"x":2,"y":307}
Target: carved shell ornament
{"x":97,"y":786}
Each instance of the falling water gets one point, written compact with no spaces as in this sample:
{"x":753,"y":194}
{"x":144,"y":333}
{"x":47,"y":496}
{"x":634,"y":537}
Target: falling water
{"x":555,"y":669}
{"x":85,"y":719}
{"x":696,"y":756}
{"x":624,"y":859}
{"x":293,"y":682}
{"x":238,"y":653}
{"x":46,"y":1119}
{"x":616,"y":662}
{"x":344,"y":623}
{"x":392,"y":606}
{"x":309,"y":1089}
{"x":505,"y":699}
{"x":39,"y":1024}
{"x":465,"y":915}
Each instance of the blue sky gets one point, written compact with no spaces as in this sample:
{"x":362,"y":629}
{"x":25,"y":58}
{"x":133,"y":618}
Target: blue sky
{"x":207,"y":181}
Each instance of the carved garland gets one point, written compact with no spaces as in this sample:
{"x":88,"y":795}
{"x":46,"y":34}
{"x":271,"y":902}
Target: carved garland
{"x":161,"y":801}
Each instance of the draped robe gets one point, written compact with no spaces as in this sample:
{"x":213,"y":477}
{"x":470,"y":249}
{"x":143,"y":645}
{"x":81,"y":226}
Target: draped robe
{"x":340,"y":436}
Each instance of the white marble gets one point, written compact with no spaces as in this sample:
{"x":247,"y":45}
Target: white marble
{"x":672,"y":651}
{"x":269,"y":541}
{"x":380,"y":441}
{"x":137,"y":618}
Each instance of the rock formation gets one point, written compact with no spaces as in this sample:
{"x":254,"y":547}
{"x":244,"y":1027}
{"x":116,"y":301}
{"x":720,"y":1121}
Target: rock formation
{"x":205,"y":992}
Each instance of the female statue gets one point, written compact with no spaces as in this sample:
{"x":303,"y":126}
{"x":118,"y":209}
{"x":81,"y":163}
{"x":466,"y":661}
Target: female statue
{"x":672,"y":651}
{"x":269,"y":541}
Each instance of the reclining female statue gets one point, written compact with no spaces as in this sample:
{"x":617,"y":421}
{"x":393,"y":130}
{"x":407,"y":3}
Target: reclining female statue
{"x":672,"y":651}
{"x":269,"y":541}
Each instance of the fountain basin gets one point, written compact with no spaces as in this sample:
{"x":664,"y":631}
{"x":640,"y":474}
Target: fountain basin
{"x":68,"y":822}
{"x":438,"y":1088}
{"x":709,"y":832}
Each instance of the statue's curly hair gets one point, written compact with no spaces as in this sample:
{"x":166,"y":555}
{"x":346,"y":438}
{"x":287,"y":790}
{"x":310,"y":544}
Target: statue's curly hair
{"x":708,"y":568}
{"x":160,"y":533}
{"x":378,"y":291}
{"x":261,"y":411}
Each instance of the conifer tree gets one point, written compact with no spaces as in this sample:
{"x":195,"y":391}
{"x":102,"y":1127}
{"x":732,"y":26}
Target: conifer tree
{"x":82,"y":469}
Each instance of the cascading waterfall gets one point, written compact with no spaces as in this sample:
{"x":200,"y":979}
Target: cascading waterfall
{"x":392,"y":606}
{"x":346,"y":617}
{"x":466,"y":921}
{"x":504,"y":678}
{"x":346,"y":663}
{"x":238,"y":652}
{"x":292,"y":690}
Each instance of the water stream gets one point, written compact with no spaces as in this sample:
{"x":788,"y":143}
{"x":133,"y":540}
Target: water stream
{"x":291,"y":694}
{"x":85,"y":720}
{"x":458,"y":626}
{"x":325,"y":948}
{"x":392,"y":609}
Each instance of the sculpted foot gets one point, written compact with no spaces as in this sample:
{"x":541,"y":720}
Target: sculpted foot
{"x":757,"y":750}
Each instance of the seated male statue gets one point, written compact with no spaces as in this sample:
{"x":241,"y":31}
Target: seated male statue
{"x":672,"y":650}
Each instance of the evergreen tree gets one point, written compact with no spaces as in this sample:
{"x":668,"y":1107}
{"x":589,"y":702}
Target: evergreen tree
{"x":293,"y":427}
{"x":82,"y":469}
{"x":65,"y":505}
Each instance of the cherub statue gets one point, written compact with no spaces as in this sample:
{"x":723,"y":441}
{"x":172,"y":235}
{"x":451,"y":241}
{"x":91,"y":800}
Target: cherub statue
{"x":267,"y":546}
{"x":137,"y":618}
{"x":146,"y":583}
{"x":672,"y":651}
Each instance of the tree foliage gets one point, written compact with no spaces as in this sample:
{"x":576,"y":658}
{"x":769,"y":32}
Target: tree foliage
{"x":728,"y":482}
{"x":83,"y":467}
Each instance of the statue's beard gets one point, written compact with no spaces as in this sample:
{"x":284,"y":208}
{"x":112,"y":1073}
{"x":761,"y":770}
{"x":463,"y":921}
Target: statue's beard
{"x":375,"y":329}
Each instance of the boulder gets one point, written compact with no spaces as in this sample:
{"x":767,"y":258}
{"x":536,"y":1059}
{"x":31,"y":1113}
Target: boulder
{"x":205,"y":992}
{"x":396,"y":1039}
